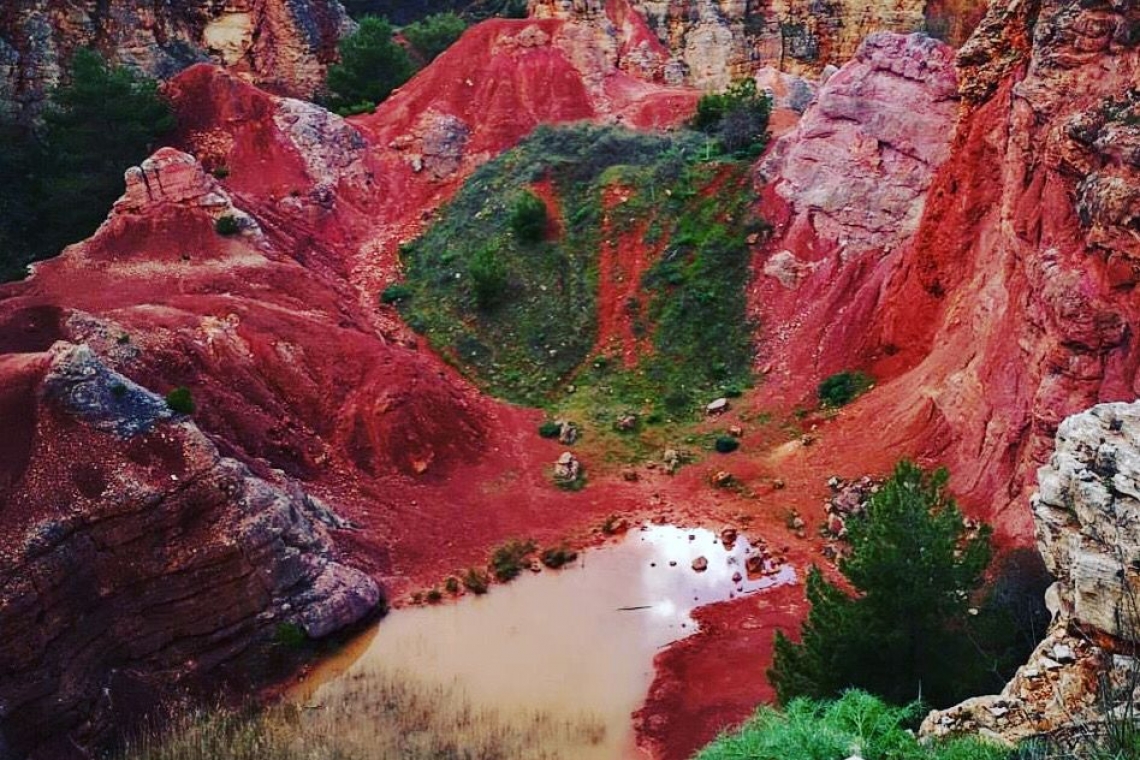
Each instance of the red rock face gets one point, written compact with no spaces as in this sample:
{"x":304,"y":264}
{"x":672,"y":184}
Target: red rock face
{"x":984,"y":276}
{"x":1010,"y":307}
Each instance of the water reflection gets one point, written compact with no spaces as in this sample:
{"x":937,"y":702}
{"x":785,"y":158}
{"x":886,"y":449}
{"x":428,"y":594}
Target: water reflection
{"x":575,"y":642}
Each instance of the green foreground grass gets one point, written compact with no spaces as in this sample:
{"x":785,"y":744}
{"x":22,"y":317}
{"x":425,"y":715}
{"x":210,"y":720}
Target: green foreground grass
{"x":856,"y":725}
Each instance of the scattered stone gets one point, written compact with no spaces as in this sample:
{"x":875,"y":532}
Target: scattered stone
{"x":722,"y":479}
{"x":754,"y":564}
{"x":719,"y":406}
{"x":1063,"y":653}
{"x":737,"y":577}
{"x":671,"y":458}
{"x":728,"y":536}
{"x":626,"y":422}
{"x":807,"y":440}
{"x":567,"y":432}
{"x":778,"y":484}
{"x":672,"y":563}
{"x":700,"y":564}
{"x":736,"y":431}
{"x":629,"y":475}
{"x":567,"y":469}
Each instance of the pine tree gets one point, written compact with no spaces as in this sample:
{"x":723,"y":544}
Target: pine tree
{"x":912,"y":567}
{"x":70,"y":171}
{"x":372,"y":64}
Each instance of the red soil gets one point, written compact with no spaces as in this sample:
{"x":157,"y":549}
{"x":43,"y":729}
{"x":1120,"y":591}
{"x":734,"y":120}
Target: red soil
{"x":715,"y":678}
{"x":622,"y":261}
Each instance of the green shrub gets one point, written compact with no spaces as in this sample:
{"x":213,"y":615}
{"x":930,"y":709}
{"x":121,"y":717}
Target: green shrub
{"x":844,"y":387}
{"x":452,"y":585}
{"x":913,"y":566}
{"x":726,"y":444}
{"x":118,"y":390}
{"x":528,"y":218}
{"x":221,"y":172}
{"x":508,"y":560}
{"x":557,"y":556}
{"x":855,"y":724}
{"x":395,"y":293}
{"x":227,"y":225}
{"x":372,"y":64}
{"x":290,"y":635}
{"x":180,"y":400}
{"x":433,"y":34}
{"x":489,"y":278}
{"x":434,"y":596}
{"x":476,"y":581}
{"x":738,"y":117}
{"x":549,"y":429}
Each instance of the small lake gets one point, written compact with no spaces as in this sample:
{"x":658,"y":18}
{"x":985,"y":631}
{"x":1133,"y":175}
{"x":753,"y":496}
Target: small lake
{"x":575,"y":644}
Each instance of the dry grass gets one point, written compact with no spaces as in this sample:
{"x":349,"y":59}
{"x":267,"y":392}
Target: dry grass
{"x":368,"y":716}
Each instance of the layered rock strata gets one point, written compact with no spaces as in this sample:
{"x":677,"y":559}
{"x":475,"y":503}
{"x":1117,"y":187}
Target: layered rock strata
{"x":136,"y":557}
{"x":713,"y":42}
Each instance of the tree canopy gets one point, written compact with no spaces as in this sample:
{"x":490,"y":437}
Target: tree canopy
{"x":913,"y":566}
{"x":433,"y":34}
{"x":372,"y":64}
{"x":60,"y":179}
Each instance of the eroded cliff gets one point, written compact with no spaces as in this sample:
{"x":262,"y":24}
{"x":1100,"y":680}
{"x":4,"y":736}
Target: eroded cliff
{"x":713,"y":42}
{"x":283,"y":45}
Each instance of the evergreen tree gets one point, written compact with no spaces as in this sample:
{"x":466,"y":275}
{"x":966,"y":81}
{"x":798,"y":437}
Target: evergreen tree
{"x":912,"y":566}
{"x":68,"y":175}
{"x":372,"y":64}
{"x":432,"y":35}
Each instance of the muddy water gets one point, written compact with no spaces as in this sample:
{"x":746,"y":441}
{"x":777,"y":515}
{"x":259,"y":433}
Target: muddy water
{"x":574,"y":643}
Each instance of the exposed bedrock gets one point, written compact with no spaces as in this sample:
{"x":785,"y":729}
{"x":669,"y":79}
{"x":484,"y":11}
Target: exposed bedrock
{"x":1087,"y":515}
{"x":136,"y":557}
{"x":1013,"y":303}
{"x":283,"y":45}
{"x":710,"y":43}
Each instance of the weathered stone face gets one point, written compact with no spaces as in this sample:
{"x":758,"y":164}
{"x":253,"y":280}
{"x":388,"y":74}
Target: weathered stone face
{"x":713,"y":42}
{"x":167,"y":559}
{"x":1087,"y":512}
{"x":859,"y":163}
{"x":283,"y":45}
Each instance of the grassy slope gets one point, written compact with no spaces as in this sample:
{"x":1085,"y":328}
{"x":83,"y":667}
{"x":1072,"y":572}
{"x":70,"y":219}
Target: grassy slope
{"x":536,"y":346}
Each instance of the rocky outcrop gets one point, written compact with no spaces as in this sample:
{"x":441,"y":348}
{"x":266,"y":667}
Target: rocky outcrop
{"x":857,"y":167}
{"x":283,"y":45}
{"x":137,"y":558}
{"x":1011,"y":304}
{"x":713,"y":42}
{"x":1087,"y":513}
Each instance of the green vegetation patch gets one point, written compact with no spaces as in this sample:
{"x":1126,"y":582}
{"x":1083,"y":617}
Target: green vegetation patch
{"x":844,"y":387}
{"x":856,"y":724}
{"x":915,"y":566}
{"x":508,"y":560}
{"x":433,"y":34}
{"x":180,"y":400}
{"x":518,"y":312}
